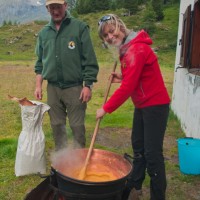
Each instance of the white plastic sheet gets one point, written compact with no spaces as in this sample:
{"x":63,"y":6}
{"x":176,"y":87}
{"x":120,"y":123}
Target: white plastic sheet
{"x":30,"y":157}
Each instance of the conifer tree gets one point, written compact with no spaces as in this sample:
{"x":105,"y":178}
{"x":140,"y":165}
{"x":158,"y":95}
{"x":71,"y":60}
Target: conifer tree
{"x":88,"y":6}
{"x":102,"y":5}
{"x":158,"y":9}
{"x":131,"y":6}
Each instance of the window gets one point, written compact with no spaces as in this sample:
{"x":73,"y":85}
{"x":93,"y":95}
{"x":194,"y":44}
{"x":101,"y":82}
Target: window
{"x":185,"y":37}
{"x":190,"y":41}
{"x":194,"y":59}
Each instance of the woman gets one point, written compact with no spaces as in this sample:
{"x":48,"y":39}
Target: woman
{"x":141,"y":80}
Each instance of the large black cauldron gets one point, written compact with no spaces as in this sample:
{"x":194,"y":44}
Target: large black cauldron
{"x":74,"y":189}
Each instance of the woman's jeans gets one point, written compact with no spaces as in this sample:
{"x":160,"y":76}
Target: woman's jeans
{"x":149,"y":125}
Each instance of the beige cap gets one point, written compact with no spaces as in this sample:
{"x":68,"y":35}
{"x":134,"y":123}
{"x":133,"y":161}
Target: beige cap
{"x":48,"y":2}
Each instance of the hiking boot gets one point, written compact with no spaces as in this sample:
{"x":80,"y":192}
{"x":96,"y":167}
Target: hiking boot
{"x":135,"y":195}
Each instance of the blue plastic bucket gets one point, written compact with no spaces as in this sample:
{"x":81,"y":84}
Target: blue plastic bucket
{"x":189,"y":155}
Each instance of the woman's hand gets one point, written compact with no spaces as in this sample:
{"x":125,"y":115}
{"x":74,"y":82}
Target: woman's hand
{"x":100,"y":113}
{"x":116,"y":77}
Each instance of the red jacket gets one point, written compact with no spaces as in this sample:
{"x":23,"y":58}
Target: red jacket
{"x":142,"y":79}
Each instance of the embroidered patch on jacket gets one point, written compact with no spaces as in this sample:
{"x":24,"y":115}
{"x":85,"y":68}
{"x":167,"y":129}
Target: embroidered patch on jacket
{"x":71,"y":45}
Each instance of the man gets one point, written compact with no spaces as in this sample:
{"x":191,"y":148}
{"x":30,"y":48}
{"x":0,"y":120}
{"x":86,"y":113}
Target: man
{"x":67,"y":61}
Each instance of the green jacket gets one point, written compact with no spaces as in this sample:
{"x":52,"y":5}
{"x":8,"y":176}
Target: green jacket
{"x":66,"y":58}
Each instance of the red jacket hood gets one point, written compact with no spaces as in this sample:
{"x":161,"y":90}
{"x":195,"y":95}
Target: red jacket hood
{"x":141,"y":37}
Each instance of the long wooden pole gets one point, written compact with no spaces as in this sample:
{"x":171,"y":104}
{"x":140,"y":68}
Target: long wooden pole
{"x":82,"y":172}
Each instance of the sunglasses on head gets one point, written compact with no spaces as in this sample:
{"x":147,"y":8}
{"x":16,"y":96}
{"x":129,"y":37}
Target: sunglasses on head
{"x":104,"y":19}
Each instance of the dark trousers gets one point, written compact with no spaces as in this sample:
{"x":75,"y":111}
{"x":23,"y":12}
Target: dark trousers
{"x":149,"y":125}
{"x":65,"y":103}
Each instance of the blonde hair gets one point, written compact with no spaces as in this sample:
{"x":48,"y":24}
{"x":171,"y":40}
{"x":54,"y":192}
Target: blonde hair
{"x":114,"y":20}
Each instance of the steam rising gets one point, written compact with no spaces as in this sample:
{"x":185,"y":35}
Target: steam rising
{"x":65,"y":160}
{"x":114,"y":50}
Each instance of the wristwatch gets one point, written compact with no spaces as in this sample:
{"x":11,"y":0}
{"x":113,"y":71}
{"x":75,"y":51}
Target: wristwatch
{"x":89,"y":86}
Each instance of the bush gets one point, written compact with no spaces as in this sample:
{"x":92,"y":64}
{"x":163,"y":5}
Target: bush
{"x":149,"y":15}
{"x":158,"y":9}
{"x":150,"y":28}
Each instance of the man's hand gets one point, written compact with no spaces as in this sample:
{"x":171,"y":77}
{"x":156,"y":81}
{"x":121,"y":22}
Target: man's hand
{"x":38,"y":87}
{"x":86,"y":94}
{"x":38,"y":93}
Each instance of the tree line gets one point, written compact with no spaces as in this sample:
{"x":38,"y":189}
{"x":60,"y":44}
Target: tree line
{"x":130,"y":6}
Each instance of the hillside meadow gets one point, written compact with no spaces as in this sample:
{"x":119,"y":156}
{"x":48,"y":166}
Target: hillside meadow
{"x":17,"y":59}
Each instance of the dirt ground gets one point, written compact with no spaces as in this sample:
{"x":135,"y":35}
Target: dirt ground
{"x":112,"y":137}
{"x":120,"y":139}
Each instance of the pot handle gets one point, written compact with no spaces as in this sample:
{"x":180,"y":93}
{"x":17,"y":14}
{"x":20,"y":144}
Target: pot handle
{"x":45,"y":176}
{"x":128,"y":157}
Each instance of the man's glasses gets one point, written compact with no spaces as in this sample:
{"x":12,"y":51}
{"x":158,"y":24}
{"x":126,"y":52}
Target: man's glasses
{"x":52,"y":7}
{"x":104,"y":19}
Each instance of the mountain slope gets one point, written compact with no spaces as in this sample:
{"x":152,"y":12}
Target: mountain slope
{"x":21,"y":11}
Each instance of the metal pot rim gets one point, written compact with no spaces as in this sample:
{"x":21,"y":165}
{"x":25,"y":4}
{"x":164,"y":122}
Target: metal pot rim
{"x":121,"y":158}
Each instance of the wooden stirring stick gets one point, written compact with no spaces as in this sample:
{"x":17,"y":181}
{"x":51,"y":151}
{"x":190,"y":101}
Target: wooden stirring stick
{"x":83,"y":170}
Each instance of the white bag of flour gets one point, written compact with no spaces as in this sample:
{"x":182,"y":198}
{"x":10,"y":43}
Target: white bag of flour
{"x":30,"y":157}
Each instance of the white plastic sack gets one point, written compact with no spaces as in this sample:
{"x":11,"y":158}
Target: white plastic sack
{"x":30,"y":157}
